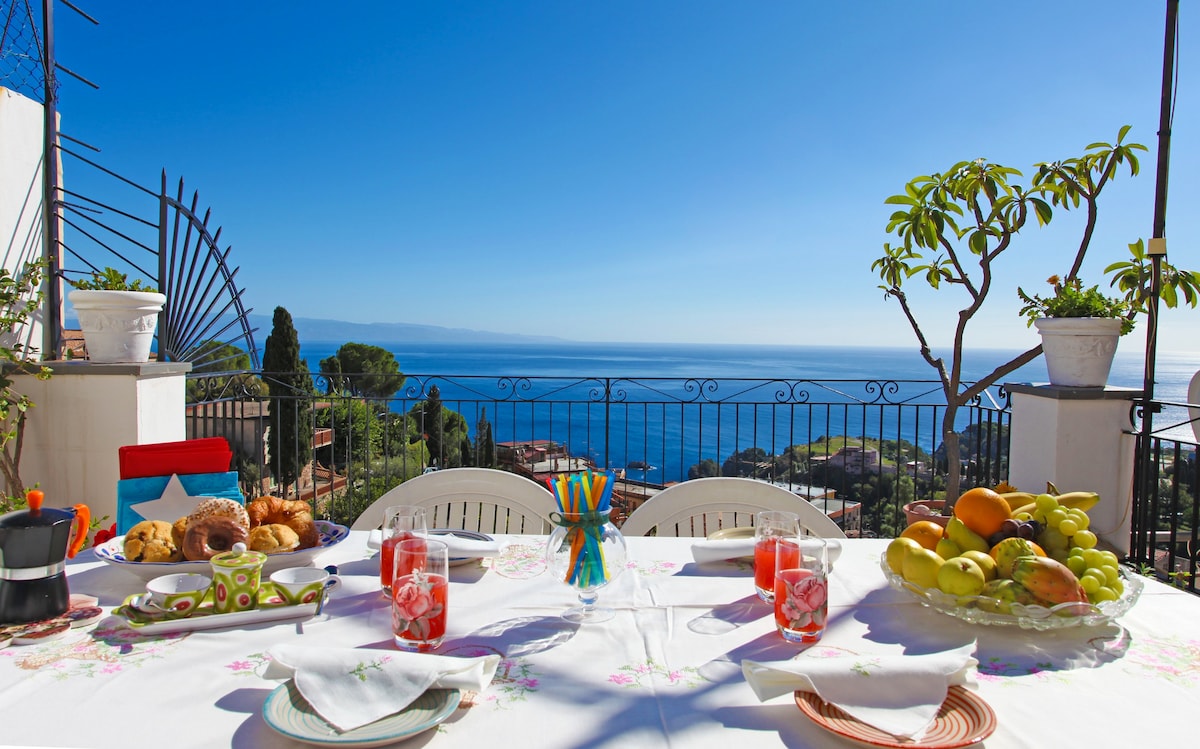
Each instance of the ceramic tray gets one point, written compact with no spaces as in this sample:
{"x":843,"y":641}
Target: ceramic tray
{"x":113,"y":552}
{"x":271,"y":608}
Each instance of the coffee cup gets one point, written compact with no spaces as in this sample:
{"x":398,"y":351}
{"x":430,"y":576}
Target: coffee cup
{"x":178,"y":595}
{"x":299,"y":585}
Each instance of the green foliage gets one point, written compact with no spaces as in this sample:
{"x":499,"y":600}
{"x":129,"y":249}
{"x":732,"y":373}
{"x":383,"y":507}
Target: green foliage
{"x":485,"y":443}
{"x":20,"y":296}
{"x":1070,"y":299}
{"x":287,"y":374}
{"x":444,"y":431}
{"x":111,"y":280}
{"x":706,"y":468}
{"x":363,"y":370}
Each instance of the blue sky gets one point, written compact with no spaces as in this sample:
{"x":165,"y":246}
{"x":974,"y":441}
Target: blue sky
{"x":682,"y":171}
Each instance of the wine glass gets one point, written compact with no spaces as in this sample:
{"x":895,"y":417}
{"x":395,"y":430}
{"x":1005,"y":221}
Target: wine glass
{"x":587,"y":552}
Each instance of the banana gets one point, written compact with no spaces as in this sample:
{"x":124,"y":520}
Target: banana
{"x":1017,"y":499}
{"x":1024,"y":508}
{"x":1083,"y":500}
{"x":1050,"y":581}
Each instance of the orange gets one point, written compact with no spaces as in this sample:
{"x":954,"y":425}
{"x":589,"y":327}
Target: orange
{"x":982,"y":510}
{"x":925,"y":532}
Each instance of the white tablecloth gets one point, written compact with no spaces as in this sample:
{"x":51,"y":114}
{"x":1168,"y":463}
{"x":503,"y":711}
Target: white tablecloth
{"x":664,"y":671}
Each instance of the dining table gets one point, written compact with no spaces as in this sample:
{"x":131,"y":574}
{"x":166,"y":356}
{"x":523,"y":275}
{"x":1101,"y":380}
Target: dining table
{"x":664,"y":671}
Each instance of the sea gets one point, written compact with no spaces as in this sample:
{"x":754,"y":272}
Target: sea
{"x":716,"y":361}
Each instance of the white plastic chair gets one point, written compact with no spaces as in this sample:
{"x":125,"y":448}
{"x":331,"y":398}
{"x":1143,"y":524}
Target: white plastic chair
{"x":1193,"y":398}
{"x":701,"y":506}
{"x":473,"y":499}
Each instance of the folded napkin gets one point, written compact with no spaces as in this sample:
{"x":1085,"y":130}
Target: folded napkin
{"x":715,"y":550}
{"x":351,"y":687}
{"x":899,"y":694}
{"x":457,"y":546}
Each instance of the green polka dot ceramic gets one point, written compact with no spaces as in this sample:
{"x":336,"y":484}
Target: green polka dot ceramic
{"x":236,"y":577}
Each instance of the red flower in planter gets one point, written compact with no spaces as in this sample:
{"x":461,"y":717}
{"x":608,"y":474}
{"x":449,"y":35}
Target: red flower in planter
{"x":105,"y":534}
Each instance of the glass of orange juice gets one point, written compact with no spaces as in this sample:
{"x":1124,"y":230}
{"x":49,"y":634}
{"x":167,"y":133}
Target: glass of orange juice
{"x":769,"y":526}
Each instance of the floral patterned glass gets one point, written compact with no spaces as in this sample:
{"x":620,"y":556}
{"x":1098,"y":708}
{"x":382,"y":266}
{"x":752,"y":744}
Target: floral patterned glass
{"x":801,"y":588}
{"x":419,"y":594}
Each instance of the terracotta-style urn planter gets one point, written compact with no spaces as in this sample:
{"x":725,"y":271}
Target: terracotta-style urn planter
{"x":926,"y":509}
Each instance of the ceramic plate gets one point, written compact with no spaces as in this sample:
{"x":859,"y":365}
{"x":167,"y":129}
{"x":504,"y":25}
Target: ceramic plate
{"x":113,"y":552}
{"x":740,"y":532}
{"x":474,"y":536}
{"x":288,"y":713}
{"x":963,"y":720}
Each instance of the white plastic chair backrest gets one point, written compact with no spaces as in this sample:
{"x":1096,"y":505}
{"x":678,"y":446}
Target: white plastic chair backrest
{"x":700,"y":506}
{"x":474,"y":499}
{"x":1193,"y":399}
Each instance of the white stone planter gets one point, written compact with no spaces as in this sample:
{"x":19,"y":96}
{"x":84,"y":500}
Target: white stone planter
{"x":1079,"y":350}
{"x":118,"y":326}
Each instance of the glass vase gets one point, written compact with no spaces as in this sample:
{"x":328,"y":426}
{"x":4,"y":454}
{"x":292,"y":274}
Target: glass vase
{"x":586,"y":551}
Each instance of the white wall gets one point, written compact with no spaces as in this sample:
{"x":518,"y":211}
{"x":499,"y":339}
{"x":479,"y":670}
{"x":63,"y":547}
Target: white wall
{"x":84,"y":413}
{"x":21,"y":209}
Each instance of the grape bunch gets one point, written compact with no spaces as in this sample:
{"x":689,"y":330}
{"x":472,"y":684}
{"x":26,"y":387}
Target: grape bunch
{"x":1027,"y":529}
{"x":1098,"y":573}
{"x":1060,"y":528}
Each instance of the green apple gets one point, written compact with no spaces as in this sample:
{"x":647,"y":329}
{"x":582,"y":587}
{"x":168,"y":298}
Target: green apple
{"x":985,"y":562}
{"x":920,"y":567}
{"x":947,"y":549}
{"x":967,"y":539}
{"x":896,"y":551}
{"x":961,"y":577}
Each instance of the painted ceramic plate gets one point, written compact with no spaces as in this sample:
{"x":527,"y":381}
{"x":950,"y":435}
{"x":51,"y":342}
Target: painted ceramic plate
{"x":977,"y":609}
{"x":288,"y":713}
{"x":113,"y":552}
{"x":474,"y":536}
{"x":963,"y":720}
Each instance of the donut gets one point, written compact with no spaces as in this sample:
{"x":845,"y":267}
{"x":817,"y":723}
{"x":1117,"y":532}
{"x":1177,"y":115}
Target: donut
{"x":295,"y":514}
{"x":210,"y":536}
{"x":273,"y":538}
{"x":150,"y":541}
{"x":220,"y":507}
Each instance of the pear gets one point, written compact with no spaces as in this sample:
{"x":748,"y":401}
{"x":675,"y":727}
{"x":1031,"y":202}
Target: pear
{"x":965,"y":538}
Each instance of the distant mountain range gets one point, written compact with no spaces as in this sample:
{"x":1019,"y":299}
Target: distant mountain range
{"x":339,"y":331}
{"x":311,"y":330}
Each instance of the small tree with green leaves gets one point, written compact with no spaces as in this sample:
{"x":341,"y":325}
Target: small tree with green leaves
{"x":953,"y":226}
{"x":20,"y":296}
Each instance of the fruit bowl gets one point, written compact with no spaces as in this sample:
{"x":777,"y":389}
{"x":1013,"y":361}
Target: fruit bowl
{"x":1063,"y":616}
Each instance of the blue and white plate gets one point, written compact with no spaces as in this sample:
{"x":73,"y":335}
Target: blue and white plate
{"x":287,"y":712}
{"x":113,"y":552}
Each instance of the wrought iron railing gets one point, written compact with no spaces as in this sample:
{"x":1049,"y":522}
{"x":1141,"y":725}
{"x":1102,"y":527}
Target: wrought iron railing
{"x":1165,"y":541}
{"x":870,"y":446}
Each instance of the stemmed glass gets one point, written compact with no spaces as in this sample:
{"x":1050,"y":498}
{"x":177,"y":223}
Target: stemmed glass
{"x":585,"y":550}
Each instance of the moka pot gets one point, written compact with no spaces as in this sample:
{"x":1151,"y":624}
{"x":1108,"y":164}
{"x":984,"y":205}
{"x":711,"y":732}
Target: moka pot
{"x":34,"y":546}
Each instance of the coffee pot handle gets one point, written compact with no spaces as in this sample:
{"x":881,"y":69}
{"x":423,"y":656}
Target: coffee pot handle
{"x":79,"y":530}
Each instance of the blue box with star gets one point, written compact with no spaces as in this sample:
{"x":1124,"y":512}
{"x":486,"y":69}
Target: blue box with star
{"x":169,"y":498}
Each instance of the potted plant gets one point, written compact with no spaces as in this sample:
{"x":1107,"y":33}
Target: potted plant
{"x":1079,"y":328}
{"x":117,"y":316}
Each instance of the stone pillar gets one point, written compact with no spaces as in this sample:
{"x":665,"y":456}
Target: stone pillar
{"x":84,"y":413}
{"x":1081,"y":440}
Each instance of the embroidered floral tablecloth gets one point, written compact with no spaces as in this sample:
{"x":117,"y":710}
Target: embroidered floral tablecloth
{"x":664,"y":670}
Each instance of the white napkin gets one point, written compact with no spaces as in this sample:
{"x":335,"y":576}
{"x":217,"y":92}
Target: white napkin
{"x":899,"y":694}
{"x":351,"y":687}
{"x":715,"y":550}
{"x":457,"y":546}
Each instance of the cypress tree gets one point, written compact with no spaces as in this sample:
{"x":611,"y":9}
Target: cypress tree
{"x":291,"y":434}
